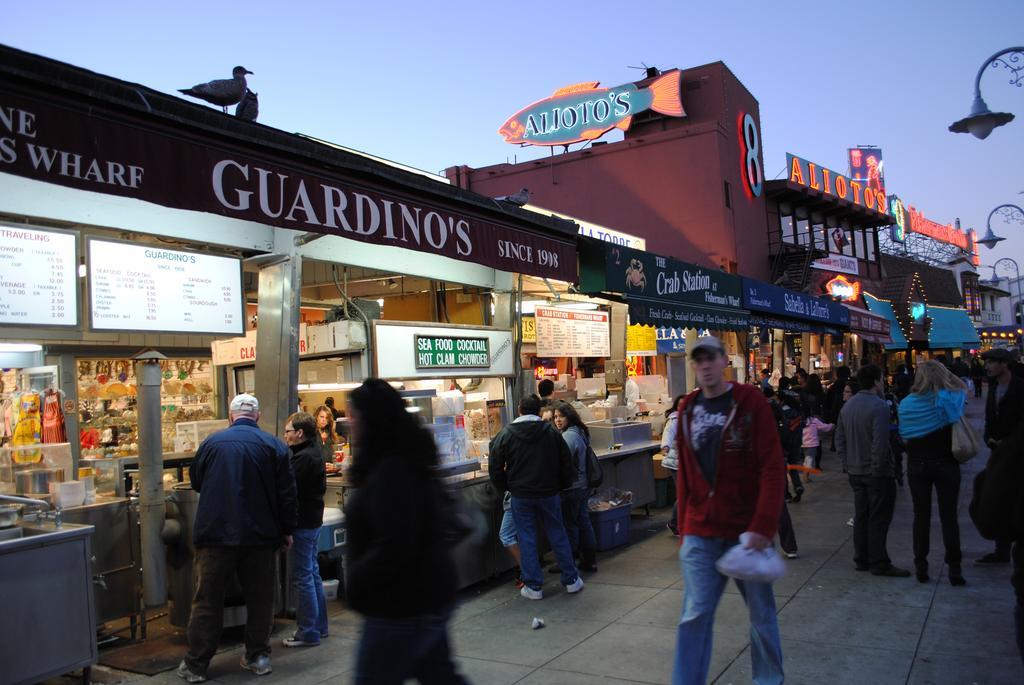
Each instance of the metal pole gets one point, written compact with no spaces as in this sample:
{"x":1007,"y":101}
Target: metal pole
{"x":151,"y":491}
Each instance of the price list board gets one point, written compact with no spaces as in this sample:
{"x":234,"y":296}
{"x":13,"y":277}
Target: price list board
{"x":38,"y":277}
{"x":150,"y":288}
{"x":572,"y":333}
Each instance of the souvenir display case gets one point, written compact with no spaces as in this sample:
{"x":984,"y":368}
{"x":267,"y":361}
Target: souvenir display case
{"x":108,"y":406}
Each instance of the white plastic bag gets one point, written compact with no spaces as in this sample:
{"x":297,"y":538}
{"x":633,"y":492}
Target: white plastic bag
{"x":762,"y":566}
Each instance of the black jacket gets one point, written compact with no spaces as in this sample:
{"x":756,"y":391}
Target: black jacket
{"x":530,"y":459}
{"x":311,"y":481}
{"x":247,"y":486}
{"x":398,"y":565}
{"x":1002,"y":420}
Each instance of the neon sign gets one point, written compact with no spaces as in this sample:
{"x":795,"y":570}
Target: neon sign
{"x":843,"y":288}
{"x":936,"y":231}
{"x":750,"y":155}
{"x":899,"y":229}
{"x":917,"y":310}
{"x":585,"y":112}
{"x":828,"y":182}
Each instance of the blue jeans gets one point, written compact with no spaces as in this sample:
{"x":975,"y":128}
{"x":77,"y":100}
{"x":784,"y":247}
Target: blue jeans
{"x":393,"y":650}
{"x":525,"y":511}
{"x":507,"y":533}
{"x":579,"y":530}
{"x":703,"y":589}
{"x":310,"y":604}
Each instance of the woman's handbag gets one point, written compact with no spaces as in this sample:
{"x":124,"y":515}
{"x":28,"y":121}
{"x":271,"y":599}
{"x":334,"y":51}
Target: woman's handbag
{"x":965,"y":441}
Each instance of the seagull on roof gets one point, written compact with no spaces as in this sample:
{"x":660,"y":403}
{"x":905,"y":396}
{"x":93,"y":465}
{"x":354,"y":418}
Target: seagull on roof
{"x":223,"y":92}
{"x":520,"y":198}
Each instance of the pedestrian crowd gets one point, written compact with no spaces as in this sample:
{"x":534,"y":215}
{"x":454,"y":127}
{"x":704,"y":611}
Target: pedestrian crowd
{"x":740,"y":454}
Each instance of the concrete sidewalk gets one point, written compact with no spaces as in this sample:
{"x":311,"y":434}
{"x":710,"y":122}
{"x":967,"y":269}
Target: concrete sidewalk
{"x":838,"y":625}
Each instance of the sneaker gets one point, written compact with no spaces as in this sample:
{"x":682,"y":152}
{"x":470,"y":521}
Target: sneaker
{"x":188,"y":675}
{"x":992,"y":558}
{"x":295,"y":642}
{"x":530,"y":593}
{"x":574,"y":587}
{"x":791,"y":555}
{"x":520,"y":584}
{"x":260,"y":666}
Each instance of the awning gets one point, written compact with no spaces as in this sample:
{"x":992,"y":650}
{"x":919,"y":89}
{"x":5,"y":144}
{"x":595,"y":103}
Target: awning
{"x":869,"y":326}
{"x":951,"y":329}
{"x":792,"y":310}
{"x":660,"y":313}
{"x":884,"y":309}
{"x":662,"y":291}
{"x":791,"y":325}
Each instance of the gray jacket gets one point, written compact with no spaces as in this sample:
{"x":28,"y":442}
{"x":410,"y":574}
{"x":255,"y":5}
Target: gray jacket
{"x":862,"y":436}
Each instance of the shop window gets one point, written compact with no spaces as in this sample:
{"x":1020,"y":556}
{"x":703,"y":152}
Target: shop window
{"x":803,"y":232}
{"x":848,"y":247}
{"x":787,"y":229}
{"x":870,"y":246}
{"x":820,"y":237}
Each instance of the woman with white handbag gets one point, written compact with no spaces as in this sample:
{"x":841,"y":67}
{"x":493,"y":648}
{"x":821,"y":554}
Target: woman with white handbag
{"x":929,"y":416}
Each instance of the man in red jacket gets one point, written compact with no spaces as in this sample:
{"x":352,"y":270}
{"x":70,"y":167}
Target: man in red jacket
{"x":730,"y":482}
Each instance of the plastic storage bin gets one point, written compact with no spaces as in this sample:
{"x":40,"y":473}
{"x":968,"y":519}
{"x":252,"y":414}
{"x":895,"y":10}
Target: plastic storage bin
{"x":611,"y":527}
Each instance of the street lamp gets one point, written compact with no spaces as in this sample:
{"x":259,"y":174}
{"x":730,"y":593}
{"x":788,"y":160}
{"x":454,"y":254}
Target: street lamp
{"x":994,"y":281}
{"x":1008,"y":212}
{"x":980,"y":122}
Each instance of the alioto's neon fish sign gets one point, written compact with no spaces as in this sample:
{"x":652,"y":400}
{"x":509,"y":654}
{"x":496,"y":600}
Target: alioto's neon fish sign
{"x":585,"y":112}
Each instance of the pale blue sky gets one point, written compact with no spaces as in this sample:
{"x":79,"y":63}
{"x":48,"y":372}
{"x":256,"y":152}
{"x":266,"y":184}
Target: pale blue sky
{"x":429,"y":83}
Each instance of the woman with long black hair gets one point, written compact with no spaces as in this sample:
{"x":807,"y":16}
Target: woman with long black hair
{"x":400,"y":575}
{"x":575,"y":511}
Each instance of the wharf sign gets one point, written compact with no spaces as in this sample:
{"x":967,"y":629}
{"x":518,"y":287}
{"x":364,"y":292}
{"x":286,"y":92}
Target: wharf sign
{"x":765,"y":297}
{"x":450,"y":352}
{"x":583,"y":111}
{"x":86,"y":151}
{"x":827,"y":182}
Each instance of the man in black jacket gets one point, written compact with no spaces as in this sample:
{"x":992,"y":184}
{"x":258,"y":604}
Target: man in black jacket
{"x":530,"y":459}
{"x":247,"y":512}
{"x":1004,"y":414}
{"x":300,"y":432}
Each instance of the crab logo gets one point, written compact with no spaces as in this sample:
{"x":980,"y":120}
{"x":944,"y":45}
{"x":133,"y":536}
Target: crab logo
{"x":636,"y":279}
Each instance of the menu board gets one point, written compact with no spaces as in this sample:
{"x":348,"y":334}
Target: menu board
{"x":572,"y":333}
{"x":38,"y":277}
{"x":150,"y":288}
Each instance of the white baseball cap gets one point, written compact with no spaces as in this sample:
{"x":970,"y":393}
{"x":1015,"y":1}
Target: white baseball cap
{"x":245,"y":404}
{"x":707,"y":343}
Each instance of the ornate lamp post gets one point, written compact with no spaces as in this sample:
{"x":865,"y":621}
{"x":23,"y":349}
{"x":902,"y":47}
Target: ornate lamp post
{"x":1019,"y":309}
{"x":980,"y":122}
{"x":1014,"y":213}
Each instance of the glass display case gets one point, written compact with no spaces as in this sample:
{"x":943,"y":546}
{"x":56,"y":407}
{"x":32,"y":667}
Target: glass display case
{"x":29,"y":469}
{"x":108,"y":403}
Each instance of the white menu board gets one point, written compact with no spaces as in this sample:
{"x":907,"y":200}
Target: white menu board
{"x":150,"y":288}
{"x":572,"y":333}
{"x":38,"y":277}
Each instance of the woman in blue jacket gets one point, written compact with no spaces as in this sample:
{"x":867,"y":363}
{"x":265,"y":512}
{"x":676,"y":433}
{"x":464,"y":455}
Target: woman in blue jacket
{"x":927,"y":415}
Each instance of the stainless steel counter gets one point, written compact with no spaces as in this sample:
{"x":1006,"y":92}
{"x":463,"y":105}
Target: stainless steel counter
{"x":631,"y":468}
{"x":48,"y":603}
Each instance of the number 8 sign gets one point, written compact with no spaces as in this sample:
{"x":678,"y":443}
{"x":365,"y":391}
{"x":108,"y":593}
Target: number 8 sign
{"x":750,"y":148}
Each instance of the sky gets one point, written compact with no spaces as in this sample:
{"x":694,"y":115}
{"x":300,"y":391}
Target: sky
{"x":428,"y":83}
